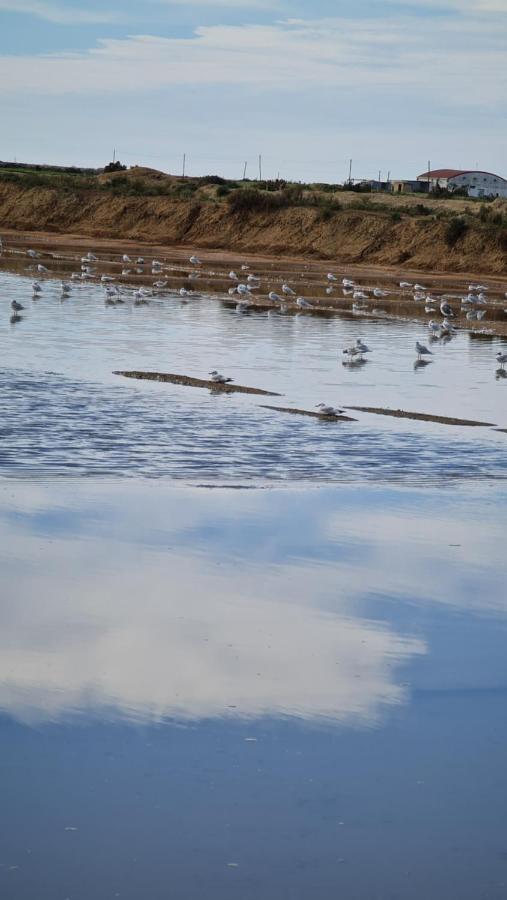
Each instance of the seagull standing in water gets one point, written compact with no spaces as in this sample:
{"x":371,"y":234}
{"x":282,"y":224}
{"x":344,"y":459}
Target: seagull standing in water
{"x":422,"y":350}
{"x":16,"y":306}
{"x":502,"y":359}
{"x":446,"y":309}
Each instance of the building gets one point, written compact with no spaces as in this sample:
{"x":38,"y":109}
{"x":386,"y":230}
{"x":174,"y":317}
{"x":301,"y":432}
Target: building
{"x":405,"y":186}
{"x":476,"y":183}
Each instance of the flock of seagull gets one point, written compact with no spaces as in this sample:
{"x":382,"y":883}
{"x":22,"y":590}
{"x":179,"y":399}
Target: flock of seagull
{"x":472,"y":303}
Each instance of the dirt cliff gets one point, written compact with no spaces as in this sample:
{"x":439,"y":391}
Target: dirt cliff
{"x":373,"y":236}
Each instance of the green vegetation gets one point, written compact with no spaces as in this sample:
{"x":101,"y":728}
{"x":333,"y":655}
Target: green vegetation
{"x":455,"y":230}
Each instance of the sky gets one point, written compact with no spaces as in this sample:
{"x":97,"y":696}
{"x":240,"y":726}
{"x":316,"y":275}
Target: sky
{"x":306,"y":85}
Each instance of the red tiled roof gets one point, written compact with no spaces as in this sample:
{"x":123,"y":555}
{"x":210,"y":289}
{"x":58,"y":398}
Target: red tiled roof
{"x":441,"y":173}
{"x":451,"y":173}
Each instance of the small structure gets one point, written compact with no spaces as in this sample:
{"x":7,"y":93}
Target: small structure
{"x":405,"y":186}
{"x":475,"y":182}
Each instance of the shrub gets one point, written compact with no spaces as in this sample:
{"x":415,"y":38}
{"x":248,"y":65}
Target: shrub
{"x":395,"y":216}
{"x":455,"y":230}
{"x":421,"y":210}
{"x":502,"y":239}
{"x":115,"y":167}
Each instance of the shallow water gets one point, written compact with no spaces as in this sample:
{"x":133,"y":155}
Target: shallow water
{"x":295,"y":691}
{"x":64,"y":411}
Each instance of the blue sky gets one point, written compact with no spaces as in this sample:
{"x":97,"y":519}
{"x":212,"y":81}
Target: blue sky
{"x":307,"y":85}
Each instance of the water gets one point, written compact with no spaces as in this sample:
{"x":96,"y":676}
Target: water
{"x":293,"y":691}
{"x":64,"y":411}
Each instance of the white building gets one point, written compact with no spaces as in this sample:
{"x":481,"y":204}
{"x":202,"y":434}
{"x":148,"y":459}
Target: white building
{"x":478,"y":184}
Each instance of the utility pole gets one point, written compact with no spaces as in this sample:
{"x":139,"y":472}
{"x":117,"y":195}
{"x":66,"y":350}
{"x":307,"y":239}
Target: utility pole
{"x":260,"y":167}
{"x":244,"y":171}
{"x":350,"y":172}
{"x":379,"y":174}
{"x":429,"y":170}
{"x":114,"y":155}
{"x":184,"y":162}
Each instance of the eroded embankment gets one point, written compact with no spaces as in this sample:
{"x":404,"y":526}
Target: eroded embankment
{"x":348,"y":235}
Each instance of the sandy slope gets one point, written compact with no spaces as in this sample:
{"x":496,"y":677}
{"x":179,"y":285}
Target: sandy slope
{"x":349,"y":236}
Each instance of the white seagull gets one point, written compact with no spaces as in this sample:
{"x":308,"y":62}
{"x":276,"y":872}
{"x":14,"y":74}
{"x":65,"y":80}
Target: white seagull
{"x":329,"y":410}
{"x":218,"y":378}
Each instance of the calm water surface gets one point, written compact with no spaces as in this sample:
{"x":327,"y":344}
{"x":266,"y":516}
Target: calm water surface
{"x":296,"y":691}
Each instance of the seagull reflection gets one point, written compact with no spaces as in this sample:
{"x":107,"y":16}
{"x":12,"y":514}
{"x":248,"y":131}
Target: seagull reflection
{"x":421,"y":364}
{"x":500,"y":373}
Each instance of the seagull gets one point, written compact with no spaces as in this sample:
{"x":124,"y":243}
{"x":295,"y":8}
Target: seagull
{"x":140,"y":261}
{"x":195,"y":260}
{"x":419,"y":287}
{"x":32,"y":253}
{"x":446,"y":309}
{"x":329,"y":290}
{"x":274,"y":297}
{"x":331,"y":277}
{"x":500,"y":358}
{"x":288,"y":290}
{"x":448,"y":325}
{"x":41,"y":268}
{"x":232,"y":275}
{"x":243,"y":290}
{"x":422,"y":350}
{"x":65,"y":288}
{"x":126,"y":258}
{"x":244,"y":267}
{"x":105,"y":278}
{"x":329,"y":410}
{"x":184,"y":292}
{"x":16,"y":306}
{"x":218,"y":378}
{"x":36,"y":288}
{"x":405,"y":284}
{"x":303,"y":304}
{"x":159,"y":284}
{"x":352,"y":351}
{"x":347,"y":282}
{"x":359,"y":295}
{"x":434,"y":327}
{"x":378,"y":292}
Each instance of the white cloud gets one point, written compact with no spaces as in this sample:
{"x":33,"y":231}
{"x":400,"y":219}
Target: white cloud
{"x":444,"y":62}
{"x":56,"y":14}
